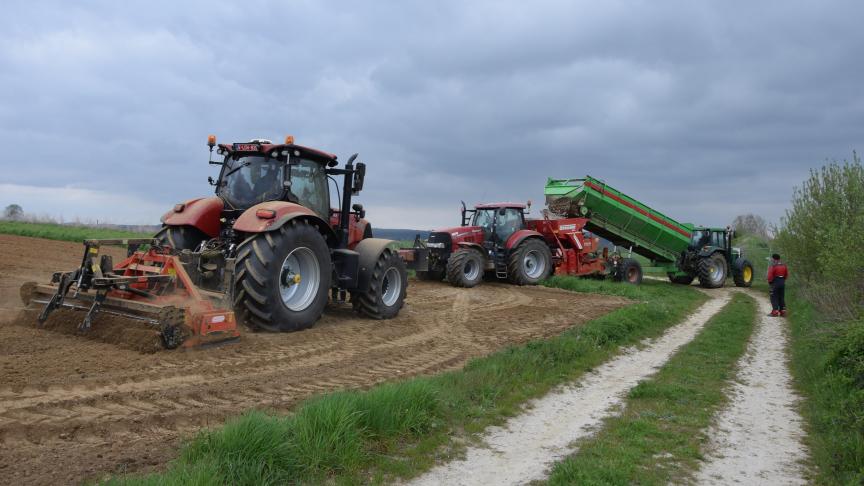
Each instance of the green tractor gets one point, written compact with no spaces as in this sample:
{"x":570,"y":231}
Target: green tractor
{"x":711,"y":258}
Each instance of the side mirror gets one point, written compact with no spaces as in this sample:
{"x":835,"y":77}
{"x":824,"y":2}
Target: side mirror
{"x":359,"y":176}
{"x":358,"y":208}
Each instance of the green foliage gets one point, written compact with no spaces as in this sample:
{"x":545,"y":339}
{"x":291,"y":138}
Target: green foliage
{"x":64,"y":232}
{"x":398,"y":429}
{"x":821,"y":238}
{"x":658,"y":437}
{"x":828,"y":365}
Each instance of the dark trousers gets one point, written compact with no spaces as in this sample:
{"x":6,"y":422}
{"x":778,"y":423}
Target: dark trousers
{"x":778,"y":294}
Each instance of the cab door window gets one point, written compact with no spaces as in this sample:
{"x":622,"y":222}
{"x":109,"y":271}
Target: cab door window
{"x":507,"y":222}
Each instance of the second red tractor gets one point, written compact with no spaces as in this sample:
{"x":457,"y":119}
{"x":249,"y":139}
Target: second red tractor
{"x":498,"y":240}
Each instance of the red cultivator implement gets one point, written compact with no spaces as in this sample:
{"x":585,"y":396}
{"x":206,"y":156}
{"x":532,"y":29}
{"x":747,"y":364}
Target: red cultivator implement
{"x":150,"y":286}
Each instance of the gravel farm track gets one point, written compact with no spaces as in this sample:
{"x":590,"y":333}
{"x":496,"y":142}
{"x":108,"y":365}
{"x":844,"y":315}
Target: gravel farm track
{"x":75,"y":409}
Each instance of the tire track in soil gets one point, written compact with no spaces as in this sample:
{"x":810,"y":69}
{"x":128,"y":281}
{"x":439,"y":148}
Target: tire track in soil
{"x":74,"y":409}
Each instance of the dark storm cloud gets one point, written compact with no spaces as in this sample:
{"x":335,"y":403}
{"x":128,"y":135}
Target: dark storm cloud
{"x":704,"y":110}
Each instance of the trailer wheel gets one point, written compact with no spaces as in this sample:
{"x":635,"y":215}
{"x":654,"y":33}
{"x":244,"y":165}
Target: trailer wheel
{"x":712,"y":271}
{"x":743,"y":274}
{"x":628,"y":271}
{"x":530,"y":263}
{"x":681,"y":279}
{"x":180,"y":238}
{"x":387,"y":288}
{"x":430,"y":276}
{"x":282,"y":277}
{"x":465,"y":267}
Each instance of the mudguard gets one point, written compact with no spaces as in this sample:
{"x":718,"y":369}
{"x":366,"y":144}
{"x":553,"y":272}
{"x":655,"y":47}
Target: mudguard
{"x":370,"y":250}
{"x":520,"y":236}
{"x":471,"y":244}
{"x":202,"y":213}
{"x":251,"y":222}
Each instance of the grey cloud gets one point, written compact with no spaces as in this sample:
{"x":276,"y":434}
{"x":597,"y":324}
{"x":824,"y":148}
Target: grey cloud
{"x":703,"y":109}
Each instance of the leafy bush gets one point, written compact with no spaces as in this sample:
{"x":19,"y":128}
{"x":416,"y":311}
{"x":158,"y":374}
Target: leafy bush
{"x":821,"y":238}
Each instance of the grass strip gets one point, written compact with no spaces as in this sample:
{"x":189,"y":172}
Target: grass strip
{"x":400,"y":429}
{"x":63,"y":232}
{"x":827,"y":363}
{"x":658,"y":437}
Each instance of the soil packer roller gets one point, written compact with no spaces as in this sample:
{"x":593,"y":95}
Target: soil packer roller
{"x":682,"y":250}
{"x":267,"y":248}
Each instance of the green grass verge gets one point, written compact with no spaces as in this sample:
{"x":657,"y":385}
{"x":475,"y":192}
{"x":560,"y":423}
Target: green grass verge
{"x":658,"y":437}
{"x":827,"y":361}
{"x":63,"y":232}
{"x":402,"y":428}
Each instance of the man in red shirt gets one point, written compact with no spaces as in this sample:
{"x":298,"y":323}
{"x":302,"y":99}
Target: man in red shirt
{"x":777,"y":275}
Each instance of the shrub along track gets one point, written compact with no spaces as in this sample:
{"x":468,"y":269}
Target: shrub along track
{"x":73,"y":408}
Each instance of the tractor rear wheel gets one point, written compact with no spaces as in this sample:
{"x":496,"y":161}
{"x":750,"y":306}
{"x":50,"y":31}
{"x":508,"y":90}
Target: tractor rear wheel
{"x":430,"y":276}
{"x":180,"y":238}
{"x":681,"y":279}
{"x":282,"y":278}
{"x":712,"y":271}
{"x":743,"y":274}
{"x":387,"y":285}
{"x":629,"y":271}
{"x":530,"y":263}
{"x":465,"y":267}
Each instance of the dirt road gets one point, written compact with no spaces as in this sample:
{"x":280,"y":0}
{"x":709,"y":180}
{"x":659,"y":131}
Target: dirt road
{"x":524,"y":448}
{"x":757,"y":439}
{"x":72,"y":408}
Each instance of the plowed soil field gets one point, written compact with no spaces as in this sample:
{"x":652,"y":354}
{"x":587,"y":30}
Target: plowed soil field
{"x":73,"y":408}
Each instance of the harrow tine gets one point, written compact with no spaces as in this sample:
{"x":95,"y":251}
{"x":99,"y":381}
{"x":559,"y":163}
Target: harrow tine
{"x":94,"y":309}
{"x":56,"y":301}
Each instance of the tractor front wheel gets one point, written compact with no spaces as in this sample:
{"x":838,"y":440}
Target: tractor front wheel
{"x":180,"y":238}
{"x":712,"y":271}
{"x":387,"y":286}
{"x":743,"y":274}
{"x":530,"y":263}
{"x":465,"y":267}
{"x":282,"y":277}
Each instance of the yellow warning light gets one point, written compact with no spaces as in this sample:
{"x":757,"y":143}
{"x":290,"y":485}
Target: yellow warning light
{"x":289,"y":139}
{"x":211,"y":140}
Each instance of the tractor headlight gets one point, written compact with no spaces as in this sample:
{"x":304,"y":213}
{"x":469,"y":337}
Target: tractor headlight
{"x":435,"y":245}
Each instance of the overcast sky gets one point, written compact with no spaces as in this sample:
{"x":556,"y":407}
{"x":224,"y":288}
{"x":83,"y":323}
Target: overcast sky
{"x":703,"y":110}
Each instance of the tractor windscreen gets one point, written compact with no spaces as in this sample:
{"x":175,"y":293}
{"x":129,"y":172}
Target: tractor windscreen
{"x":247,"y":181}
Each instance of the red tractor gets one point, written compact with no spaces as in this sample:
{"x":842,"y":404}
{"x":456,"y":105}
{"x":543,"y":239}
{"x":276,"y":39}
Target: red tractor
{"x":270,"y":238}
{"x":498,"y":238}
{"x":267,"y":245}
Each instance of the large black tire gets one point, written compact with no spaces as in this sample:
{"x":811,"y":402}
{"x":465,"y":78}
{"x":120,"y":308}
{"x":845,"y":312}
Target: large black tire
{"x":465,"y":267}
{"x":743,"y":273}
{"x":628,"y":271}
{"x":712,"y":271}
{"x":181,"y":238}
{"x":529,"y":263}
{"x":387,"y":287}
{"x":430,"y":276}
{"x":278,"y":293}
{"x":681,"y":279}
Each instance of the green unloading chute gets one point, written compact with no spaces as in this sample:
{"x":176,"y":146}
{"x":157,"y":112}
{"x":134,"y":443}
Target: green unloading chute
{"x":619,"y":218}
